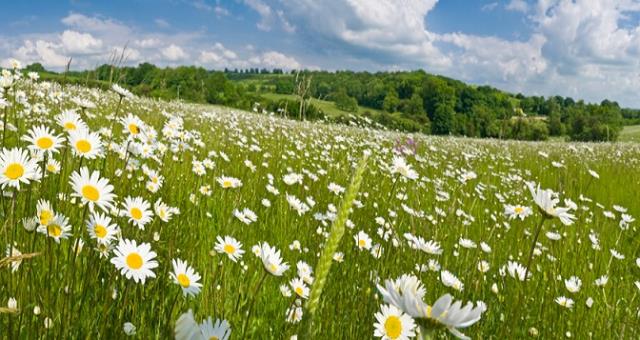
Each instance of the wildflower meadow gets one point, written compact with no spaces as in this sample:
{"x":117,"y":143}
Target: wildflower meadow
{"x":127,"y":216}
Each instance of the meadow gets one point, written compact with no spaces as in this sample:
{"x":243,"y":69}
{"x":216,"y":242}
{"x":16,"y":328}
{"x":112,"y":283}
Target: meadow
{"x":126,"y":216}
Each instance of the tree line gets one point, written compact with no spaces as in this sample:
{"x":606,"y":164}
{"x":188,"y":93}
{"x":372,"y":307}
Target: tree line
{"x":408,"y":100}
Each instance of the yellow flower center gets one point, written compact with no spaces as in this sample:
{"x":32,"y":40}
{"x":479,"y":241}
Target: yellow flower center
{"x":45,"y":217}
{"x":54,"y":230}
{"x":299,"y":291}
{"x":273,"y":267}
{"x":226,"y":184}
{"x":229,"y":249}
{"x":362,"y":243}
{"x":213,"y":337}
{"x":134,"y":261}
{"x":133,"y":128}
{"x":393,"y":327}
{"x":44,"y":142}
{"x":83,"y":146}
{"x":51,"y":167}
{"x":14,"y":171}
{"x":183,"y":280}
{"x":90,"y":192}
{"x":100,"y":231}
{"x":70,"y":126}
{"x":136,"y":213}
{"x":519,"y":210}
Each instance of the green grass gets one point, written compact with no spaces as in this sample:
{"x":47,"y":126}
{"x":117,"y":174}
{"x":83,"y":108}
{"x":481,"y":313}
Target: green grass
{"x":630,"y":134}
{"x":328,"y":107}
{"x":84,"y":295}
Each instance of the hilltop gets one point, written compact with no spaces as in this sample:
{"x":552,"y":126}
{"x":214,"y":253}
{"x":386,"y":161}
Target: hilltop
{"x":411,"y":101}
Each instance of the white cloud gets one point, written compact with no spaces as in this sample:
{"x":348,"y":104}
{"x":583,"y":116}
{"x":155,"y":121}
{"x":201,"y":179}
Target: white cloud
{"x":80,"y":43}
{"x":489,"y":7}
{"x":162,"y":23}
{"x":273,"y":59}
{"x":95,"y":24}
{"x":517,"y":6}
{"x":41,"y":51}
{"x":221,"y":11}
{"x":265,"y":12}
{"x":218,"y":57}
{"x":148,"y":43}
{"x":394,"y":29}
{"x":490,"y":57}
{"x":174,"y":53}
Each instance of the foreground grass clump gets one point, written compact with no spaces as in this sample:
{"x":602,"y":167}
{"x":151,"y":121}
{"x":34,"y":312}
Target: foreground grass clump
{"x":124,"y":215}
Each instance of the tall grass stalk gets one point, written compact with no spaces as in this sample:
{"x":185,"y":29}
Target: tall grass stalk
{"x":335,"y":236}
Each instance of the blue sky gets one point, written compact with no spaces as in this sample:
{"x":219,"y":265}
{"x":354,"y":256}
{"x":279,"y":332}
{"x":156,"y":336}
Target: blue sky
{"x":587,"y":49}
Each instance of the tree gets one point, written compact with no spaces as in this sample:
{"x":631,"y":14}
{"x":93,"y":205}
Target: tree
{"x":344,"y":102}
{"x":415,"y":105}
{"x":391,"y":101}
{"x":442,"y":119}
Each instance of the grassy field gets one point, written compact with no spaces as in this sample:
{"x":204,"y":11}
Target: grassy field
{"x":630,"y":134}
{"x":211,"y":185}
{"x":327,"y":107}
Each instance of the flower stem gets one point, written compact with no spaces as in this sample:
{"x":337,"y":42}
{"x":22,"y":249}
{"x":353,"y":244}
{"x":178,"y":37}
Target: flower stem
{"x":533,"y":246}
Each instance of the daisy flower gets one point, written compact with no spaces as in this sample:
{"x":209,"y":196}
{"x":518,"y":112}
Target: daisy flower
{"x":546,"y":201}
{"x":70,"y":121}
{"x":450,"y":280}
{"x":121,"y":91}
{"x":245,"y":216}
{"x":392,"y":323}
{"x":229,"y":182}
{"x":17,"y":167}
{"x":220,"y":329}
{"x":53,"y":166}
{"x":401,"y":167}
{"x":44,"y":212}
{"x":138,"y":211}
{"x":188,"y":329}
{"x":85,"y":143}
{"x":186,"y":277}
{"x":132,"y":124}
{"x":363,"y":241}
{"x":564,"y":302}
{"x":230,"y":246}
{"x":407,"y":293}
{"x":134,"y":261}
{"x":101,"y":229}
{"x":42,"y":140}
{"x":517,"y":211}
{"x":92,"y":189}
{"x":299,"y":287}
{"x":163,"y":211}
{"x":271,"y":260}
{"x":573,"y":284}
{"x":57,"y":229}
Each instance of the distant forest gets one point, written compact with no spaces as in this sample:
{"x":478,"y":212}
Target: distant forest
{"x":412,"y":101}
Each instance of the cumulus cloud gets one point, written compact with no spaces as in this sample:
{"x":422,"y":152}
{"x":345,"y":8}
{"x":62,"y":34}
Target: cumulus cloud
{"x":80,"y":43}
{"x":174,"y":53}
{"x":273,"y":59}
{"x":218,"y":57}
{"x":41,"y":51}
{"x":393,"y":29}
{"x":517,"y":6}
{"x":95,"y":24}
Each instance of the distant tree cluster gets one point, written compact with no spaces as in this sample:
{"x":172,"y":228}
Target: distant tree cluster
{"x":412,"y":101}
{"x":449,"y":106}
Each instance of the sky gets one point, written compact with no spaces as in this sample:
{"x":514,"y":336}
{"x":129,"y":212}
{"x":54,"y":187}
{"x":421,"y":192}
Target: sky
{"x":586,"y":49}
